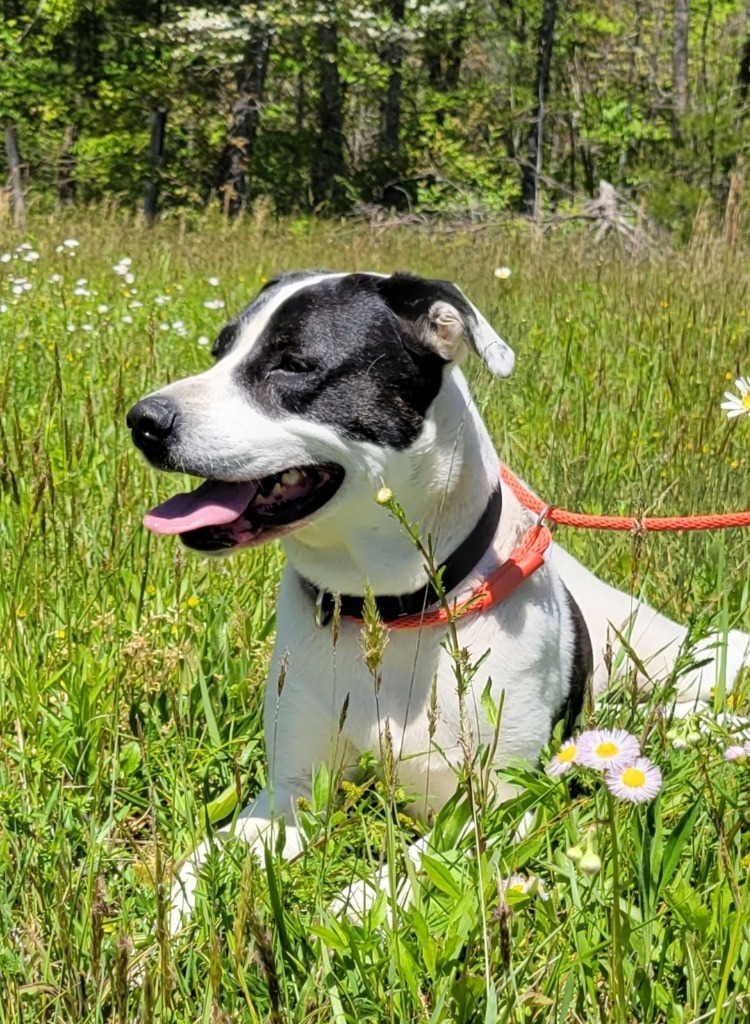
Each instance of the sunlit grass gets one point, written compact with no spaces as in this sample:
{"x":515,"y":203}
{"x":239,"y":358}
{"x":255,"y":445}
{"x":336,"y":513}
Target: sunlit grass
{"x":131,"y":672}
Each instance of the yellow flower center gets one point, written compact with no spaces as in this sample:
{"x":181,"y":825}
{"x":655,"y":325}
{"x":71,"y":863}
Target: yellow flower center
{"x":518,"y":887}
{"x":607,"y":749}
{"x":746,"y":401}
{"x":634,"y":778}
{"x":567,"y":754}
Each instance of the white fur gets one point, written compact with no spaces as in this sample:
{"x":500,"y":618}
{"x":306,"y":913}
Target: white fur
{"x":443,"y":482}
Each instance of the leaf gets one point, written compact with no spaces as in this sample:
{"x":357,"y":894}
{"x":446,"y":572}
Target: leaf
{"x":489,"y":707}
{"x":674,"y":846}
{"x":442,"y":877}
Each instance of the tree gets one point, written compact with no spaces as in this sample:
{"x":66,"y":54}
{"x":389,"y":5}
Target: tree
{"x":329,"y":170}
{"x":680,"y":35}
{"x":535,"y":138}
{"x":236,"y":160}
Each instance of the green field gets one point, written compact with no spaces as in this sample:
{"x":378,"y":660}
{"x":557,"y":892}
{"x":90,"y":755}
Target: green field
{"x":131,"y":672}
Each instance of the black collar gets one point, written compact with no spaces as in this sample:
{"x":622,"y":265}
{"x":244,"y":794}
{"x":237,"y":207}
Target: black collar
{"x":454,"y":569}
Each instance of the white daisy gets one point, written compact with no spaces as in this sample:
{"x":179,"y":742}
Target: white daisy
{"x":503,"y":273}
{"x":607,"y":748}
{"x":736,"y":752}
{"x":203,"y":340}
{"x":522,"y":886}
{"x":564,"y":758}
{"x":636,"y":782}
{"x":738,"y":405}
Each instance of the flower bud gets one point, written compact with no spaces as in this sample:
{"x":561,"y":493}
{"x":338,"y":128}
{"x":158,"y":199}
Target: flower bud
{"x":574,"y":853}
{"x":384,"y":495}
{"x":590,"y":863}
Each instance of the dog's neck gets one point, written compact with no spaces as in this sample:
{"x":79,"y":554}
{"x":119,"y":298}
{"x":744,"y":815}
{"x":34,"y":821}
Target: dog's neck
{"x":443,"y":483}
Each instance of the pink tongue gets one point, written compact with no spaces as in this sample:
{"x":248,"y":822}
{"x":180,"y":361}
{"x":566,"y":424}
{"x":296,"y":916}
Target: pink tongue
{"x":212,"y":504}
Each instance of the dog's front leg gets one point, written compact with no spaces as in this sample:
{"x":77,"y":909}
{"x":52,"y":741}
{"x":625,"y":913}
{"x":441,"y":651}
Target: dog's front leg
{"x":257,"y":826}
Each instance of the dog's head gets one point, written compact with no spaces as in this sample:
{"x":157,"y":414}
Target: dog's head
{"x":318,"y":365}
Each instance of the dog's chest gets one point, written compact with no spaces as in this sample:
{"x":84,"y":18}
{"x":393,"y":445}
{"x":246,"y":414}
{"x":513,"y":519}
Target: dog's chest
{"x":414,"y":705}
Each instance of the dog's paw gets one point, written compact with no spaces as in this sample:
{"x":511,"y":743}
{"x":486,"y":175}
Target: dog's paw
{"x":182,"y":893}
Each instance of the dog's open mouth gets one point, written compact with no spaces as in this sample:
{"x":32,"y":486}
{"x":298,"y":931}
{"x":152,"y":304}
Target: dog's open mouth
{"x":219,"y":515}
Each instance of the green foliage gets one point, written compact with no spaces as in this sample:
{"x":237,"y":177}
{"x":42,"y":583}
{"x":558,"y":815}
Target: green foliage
{"x":79,"y":81}
{"x":131,"y":672}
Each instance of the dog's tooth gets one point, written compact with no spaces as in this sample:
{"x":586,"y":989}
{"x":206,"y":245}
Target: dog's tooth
{"x":292,"y":476}
{"x":277,"y":490}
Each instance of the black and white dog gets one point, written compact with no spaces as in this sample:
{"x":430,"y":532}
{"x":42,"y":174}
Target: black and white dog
{"x":328,"y":387}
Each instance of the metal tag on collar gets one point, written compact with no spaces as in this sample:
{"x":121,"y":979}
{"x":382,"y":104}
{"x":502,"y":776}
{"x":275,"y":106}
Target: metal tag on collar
{"x":323,"y":608}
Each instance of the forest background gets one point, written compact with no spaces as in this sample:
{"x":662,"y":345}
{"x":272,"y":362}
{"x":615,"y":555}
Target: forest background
{"x":459,"y":107}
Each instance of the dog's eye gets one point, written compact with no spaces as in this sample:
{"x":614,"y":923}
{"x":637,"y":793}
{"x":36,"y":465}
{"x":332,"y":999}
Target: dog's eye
{"x":290,"y":363}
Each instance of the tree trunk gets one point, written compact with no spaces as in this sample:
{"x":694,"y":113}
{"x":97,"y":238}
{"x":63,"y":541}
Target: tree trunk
{"x":237,"y":158}
{"x":329,"y":162}
{"x":680,"y":64}
{"x":743,"y":73}
{"x":389,"y":155}
{"x":66,"y":165}
{"x":391,"y":55}
{"x":158,"y":120}
{"x":17,"y":198}
{"x":535,"y":139}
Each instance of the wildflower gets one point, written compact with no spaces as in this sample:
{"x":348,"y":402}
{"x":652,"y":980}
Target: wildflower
{"x":129,"y":278}
{"x":522,"y":886}
{"x":563,"y":759}
{"x":55,"y":278}
{"x":503,"y":273}
{"x":607,"y":748}
{"x":127,"y":319}
{"x":738,"y":405}
{"x":213,"y":281}
{"x":71,"y":243}
{"x":160,"y":300}
{"x":214,"y":304}
{"x":203,"y":340}
{"x":6,"y":257}
{"x":193,"y":601}
{"x":102,"y":308}
{"x":384,"y":495}
{"x":636,"y":782}
{"x":735,"y":752}
{"x":84,"y":292}
{"x":31,"y":256}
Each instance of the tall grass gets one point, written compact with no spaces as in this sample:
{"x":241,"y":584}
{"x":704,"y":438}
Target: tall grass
{"x":131,"y":672}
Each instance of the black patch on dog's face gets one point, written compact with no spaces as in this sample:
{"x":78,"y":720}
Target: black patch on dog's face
{"x":337,"y":353}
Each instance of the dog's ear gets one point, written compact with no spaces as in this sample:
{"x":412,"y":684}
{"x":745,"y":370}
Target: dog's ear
{"x":444,"y":319}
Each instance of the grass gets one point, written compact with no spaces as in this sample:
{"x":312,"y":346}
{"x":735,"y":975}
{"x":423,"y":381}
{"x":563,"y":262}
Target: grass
{"x":131,"y":673}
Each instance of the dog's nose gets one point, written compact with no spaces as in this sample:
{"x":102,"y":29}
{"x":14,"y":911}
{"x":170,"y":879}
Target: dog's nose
{"x":151,"y":422}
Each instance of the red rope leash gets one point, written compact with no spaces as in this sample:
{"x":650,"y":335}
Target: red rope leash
{"x":649,"y":524}
{"x":531,"y":551}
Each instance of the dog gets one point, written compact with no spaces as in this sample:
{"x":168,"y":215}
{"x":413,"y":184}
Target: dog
{"x":327,"y":388}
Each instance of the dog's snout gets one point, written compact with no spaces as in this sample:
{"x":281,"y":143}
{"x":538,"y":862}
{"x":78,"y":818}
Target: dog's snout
{"x":152,"y":422}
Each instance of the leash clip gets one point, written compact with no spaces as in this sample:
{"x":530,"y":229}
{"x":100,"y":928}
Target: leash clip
{"x":542,"y":516}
